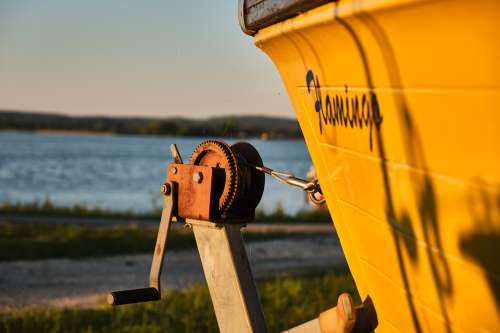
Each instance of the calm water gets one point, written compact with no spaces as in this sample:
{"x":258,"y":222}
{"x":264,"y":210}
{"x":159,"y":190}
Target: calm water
{"x":120,"y":172}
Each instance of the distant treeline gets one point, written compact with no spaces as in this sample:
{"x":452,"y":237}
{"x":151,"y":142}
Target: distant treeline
{"x":229,"y":126}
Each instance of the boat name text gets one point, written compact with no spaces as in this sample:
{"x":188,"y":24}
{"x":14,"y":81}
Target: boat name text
{"x":344,"y":109}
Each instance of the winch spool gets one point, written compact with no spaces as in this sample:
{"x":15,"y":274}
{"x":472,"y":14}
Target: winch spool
{"x":237,"y":187}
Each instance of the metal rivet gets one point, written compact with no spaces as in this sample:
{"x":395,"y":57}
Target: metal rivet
{"x":166,"y":189}
{"x":174,"y":170}
{"x":198,"y":177}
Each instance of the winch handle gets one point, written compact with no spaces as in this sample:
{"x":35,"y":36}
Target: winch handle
{"x":133,"y":296}
{"x":153,"y":293}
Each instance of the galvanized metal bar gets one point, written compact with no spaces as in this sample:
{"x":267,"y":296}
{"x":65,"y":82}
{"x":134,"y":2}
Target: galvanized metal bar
{"x":311,"y":326}
{"x":229,"y":277}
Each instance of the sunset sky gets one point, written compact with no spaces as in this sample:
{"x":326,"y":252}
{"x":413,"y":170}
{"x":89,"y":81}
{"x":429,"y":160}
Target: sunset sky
{"x":127,"y":57}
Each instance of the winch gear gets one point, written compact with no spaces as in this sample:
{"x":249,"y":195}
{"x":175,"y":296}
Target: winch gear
{"x":217,"y":154}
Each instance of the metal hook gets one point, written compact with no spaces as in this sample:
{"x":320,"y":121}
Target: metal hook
{"x":312,"y":187}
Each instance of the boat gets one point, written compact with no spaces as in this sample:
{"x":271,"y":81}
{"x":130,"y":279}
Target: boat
{"x":397,"y":101}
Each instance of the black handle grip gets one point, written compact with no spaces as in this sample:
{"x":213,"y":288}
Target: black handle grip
{"x":133,"y":296}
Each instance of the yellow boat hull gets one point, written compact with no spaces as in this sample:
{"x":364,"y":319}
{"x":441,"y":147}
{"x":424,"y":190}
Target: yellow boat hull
{"x":397,"y":101}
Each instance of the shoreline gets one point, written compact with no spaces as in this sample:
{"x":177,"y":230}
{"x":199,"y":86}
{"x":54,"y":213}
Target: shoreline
{"x":109,"y":133}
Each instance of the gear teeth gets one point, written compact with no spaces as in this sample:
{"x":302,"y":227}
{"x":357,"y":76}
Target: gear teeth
{"x":231,"y":186}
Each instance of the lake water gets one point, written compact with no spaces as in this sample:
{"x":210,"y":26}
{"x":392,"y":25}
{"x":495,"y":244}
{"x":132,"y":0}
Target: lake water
{"x":121,"y":172}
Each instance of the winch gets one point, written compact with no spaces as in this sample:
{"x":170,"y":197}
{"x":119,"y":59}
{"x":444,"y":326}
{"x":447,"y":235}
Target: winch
{"x":218,"y":183}
{"x":216,"y":194}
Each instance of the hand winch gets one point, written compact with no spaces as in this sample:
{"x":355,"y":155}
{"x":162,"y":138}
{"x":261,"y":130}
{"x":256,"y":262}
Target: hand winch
{"x":221,"y":183}
{"x":216,"y":194}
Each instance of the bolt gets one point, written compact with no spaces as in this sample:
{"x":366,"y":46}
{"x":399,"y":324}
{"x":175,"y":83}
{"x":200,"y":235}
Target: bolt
{"x":174,"y":170}
{"x":198,"y":177}
{"x":166,"y":189}
{"x":111,"y":299}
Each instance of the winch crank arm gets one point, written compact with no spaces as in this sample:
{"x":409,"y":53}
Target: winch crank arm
{"x":153,"y":293}
{"x":170,"y":200}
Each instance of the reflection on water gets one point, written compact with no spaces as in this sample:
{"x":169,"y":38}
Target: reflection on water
{"x":120,"y":172}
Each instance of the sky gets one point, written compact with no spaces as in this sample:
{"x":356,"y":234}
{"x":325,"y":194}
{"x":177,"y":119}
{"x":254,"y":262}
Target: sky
{"x":157,"y":58}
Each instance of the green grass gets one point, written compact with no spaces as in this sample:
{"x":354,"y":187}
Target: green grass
{"x":40,"y":241}
{"x":47,"y":208}
{"x":33,"y":241}
{"x":30,"y":241}
{"x":287,"y":302}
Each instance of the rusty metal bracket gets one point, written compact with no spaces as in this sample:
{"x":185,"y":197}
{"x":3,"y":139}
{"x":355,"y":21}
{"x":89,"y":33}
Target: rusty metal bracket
{"x":195,"y":184}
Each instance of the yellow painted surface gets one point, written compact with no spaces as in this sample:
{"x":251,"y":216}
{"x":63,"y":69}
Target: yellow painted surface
{"x":411,"y":170}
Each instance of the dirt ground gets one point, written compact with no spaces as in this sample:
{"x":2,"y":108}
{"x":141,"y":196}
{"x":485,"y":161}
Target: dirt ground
{"x":84,"y":282}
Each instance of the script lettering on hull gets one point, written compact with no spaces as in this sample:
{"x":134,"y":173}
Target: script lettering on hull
{"x":347,"y":110}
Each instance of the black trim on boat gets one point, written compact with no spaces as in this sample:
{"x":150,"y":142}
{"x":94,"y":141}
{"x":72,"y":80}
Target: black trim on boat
{"x":257,"y":14}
